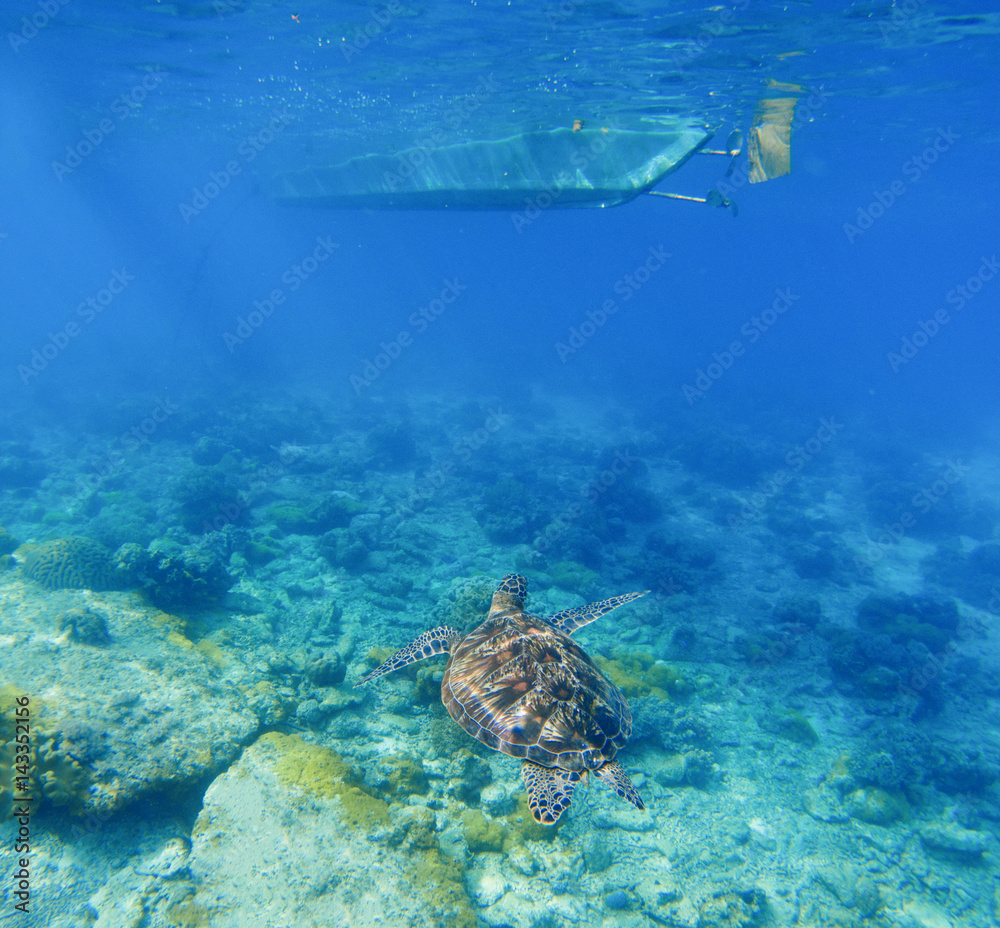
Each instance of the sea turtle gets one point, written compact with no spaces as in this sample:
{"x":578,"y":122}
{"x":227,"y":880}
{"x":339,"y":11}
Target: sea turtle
{"x":521,"y":685}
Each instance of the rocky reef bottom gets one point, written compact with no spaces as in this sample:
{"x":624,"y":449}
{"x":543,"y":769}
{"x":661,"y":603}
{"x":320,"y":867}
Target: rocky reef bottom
{"x":816,"y":736}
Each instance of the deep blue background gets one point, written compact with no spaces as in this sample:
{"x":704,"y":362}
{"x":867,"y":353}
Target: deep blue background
{"x":826,"y":356}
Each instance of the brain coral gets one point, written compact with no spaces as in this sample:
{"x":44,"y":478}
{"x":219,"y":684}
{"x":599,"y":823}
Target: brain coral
{"x":68,"y":563}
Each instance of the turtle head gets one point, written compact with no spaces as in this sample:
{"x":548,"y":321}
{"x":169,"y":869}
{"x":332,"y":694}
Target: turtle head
{"x":510,"y":595}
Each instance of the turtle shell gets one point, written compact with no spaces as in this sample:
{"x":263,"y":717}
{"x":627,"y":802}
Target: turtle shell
{"x":521,"y":686}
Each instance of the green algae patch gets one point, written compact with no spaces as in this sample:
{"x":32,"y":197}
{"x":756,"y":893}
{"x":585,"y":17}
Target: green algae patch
{"x":213,"y":652}
{"x":378,"y":654}
{"x":569,"y":575}
{"x":469,"y":601}
{"x":639,"y":674}
{"x":406,"y":775}
{"x":427,"y":688}
{"x":327,"y":514}
{"x":260,"y":553}
{"x":445,"y":888}
{"x":521,"y":826}
{"x":668,"y":679}
{"x":481,"y":834}
{"x":54,"y":774}
{"x":188,"y":914}
{"x":877,"y":806}
{"x":322,"y":772}
{"x":794,"y":726}
{"x":439,"y":879}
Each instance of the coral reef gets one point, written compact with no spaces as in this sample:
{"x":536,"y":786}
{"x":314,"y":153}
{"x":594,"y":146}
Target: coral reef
{"x":68,"y":563}
{"x":569,"y":575}
{"x":789,"y":724}
{"x":56,"y":776}
{"x":688,"y":563}
{"x":638,"y":673}
{"x":325,"y":773}
{"x":904,"y":618}
{"x":798,"y":610}
{"x":950,"y":838}
{"x":734,"y":909}
{"x":726,"y":457}
{"x":621,"y":489}
{"x":933,"y":500}
{"x":898,"y":639}
{"x":124,"y":518}
{"x":876,"y":806}
{"x":392,"y":442}
{"x":182,"y":579}
{"x":482,"y":834}
{"x":672,"y":728}
{"x":8,"y":543}
{"x":974,"y":576}
{"x":376,"y":805}
{"x":20,"y":466}
{"x":318,"y":518}
{"x":209,"y":450}
{"x":468,"y":601}
{"x":86,"y":626}
{"x":207,"y":500}
{"x":337,"y":875}
{"x":509,"y":513}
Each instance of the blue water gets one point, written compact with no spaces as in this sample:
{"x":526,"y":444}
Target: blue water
{"x":809,"y":387}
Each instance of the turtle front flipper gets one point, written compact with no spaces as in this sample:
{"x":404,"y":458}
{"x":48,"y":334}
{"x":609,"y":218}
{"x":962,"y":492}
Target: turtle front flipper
{"x":549,"y":791}
{"x":614,"y":777}
{"x":569,"y":620}
{"x":436,"y":641}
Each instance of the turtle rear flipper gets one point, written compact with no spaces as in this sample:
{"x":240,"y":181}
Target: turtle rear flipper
{"x":436,"y":641}
{"x":614,"y":777}
{"x":549,"y":791}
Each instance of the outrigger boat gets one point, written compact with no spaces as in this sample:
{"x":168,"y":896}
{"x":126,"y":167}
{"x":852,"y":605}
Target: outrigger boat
{"x":561,"y":168}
